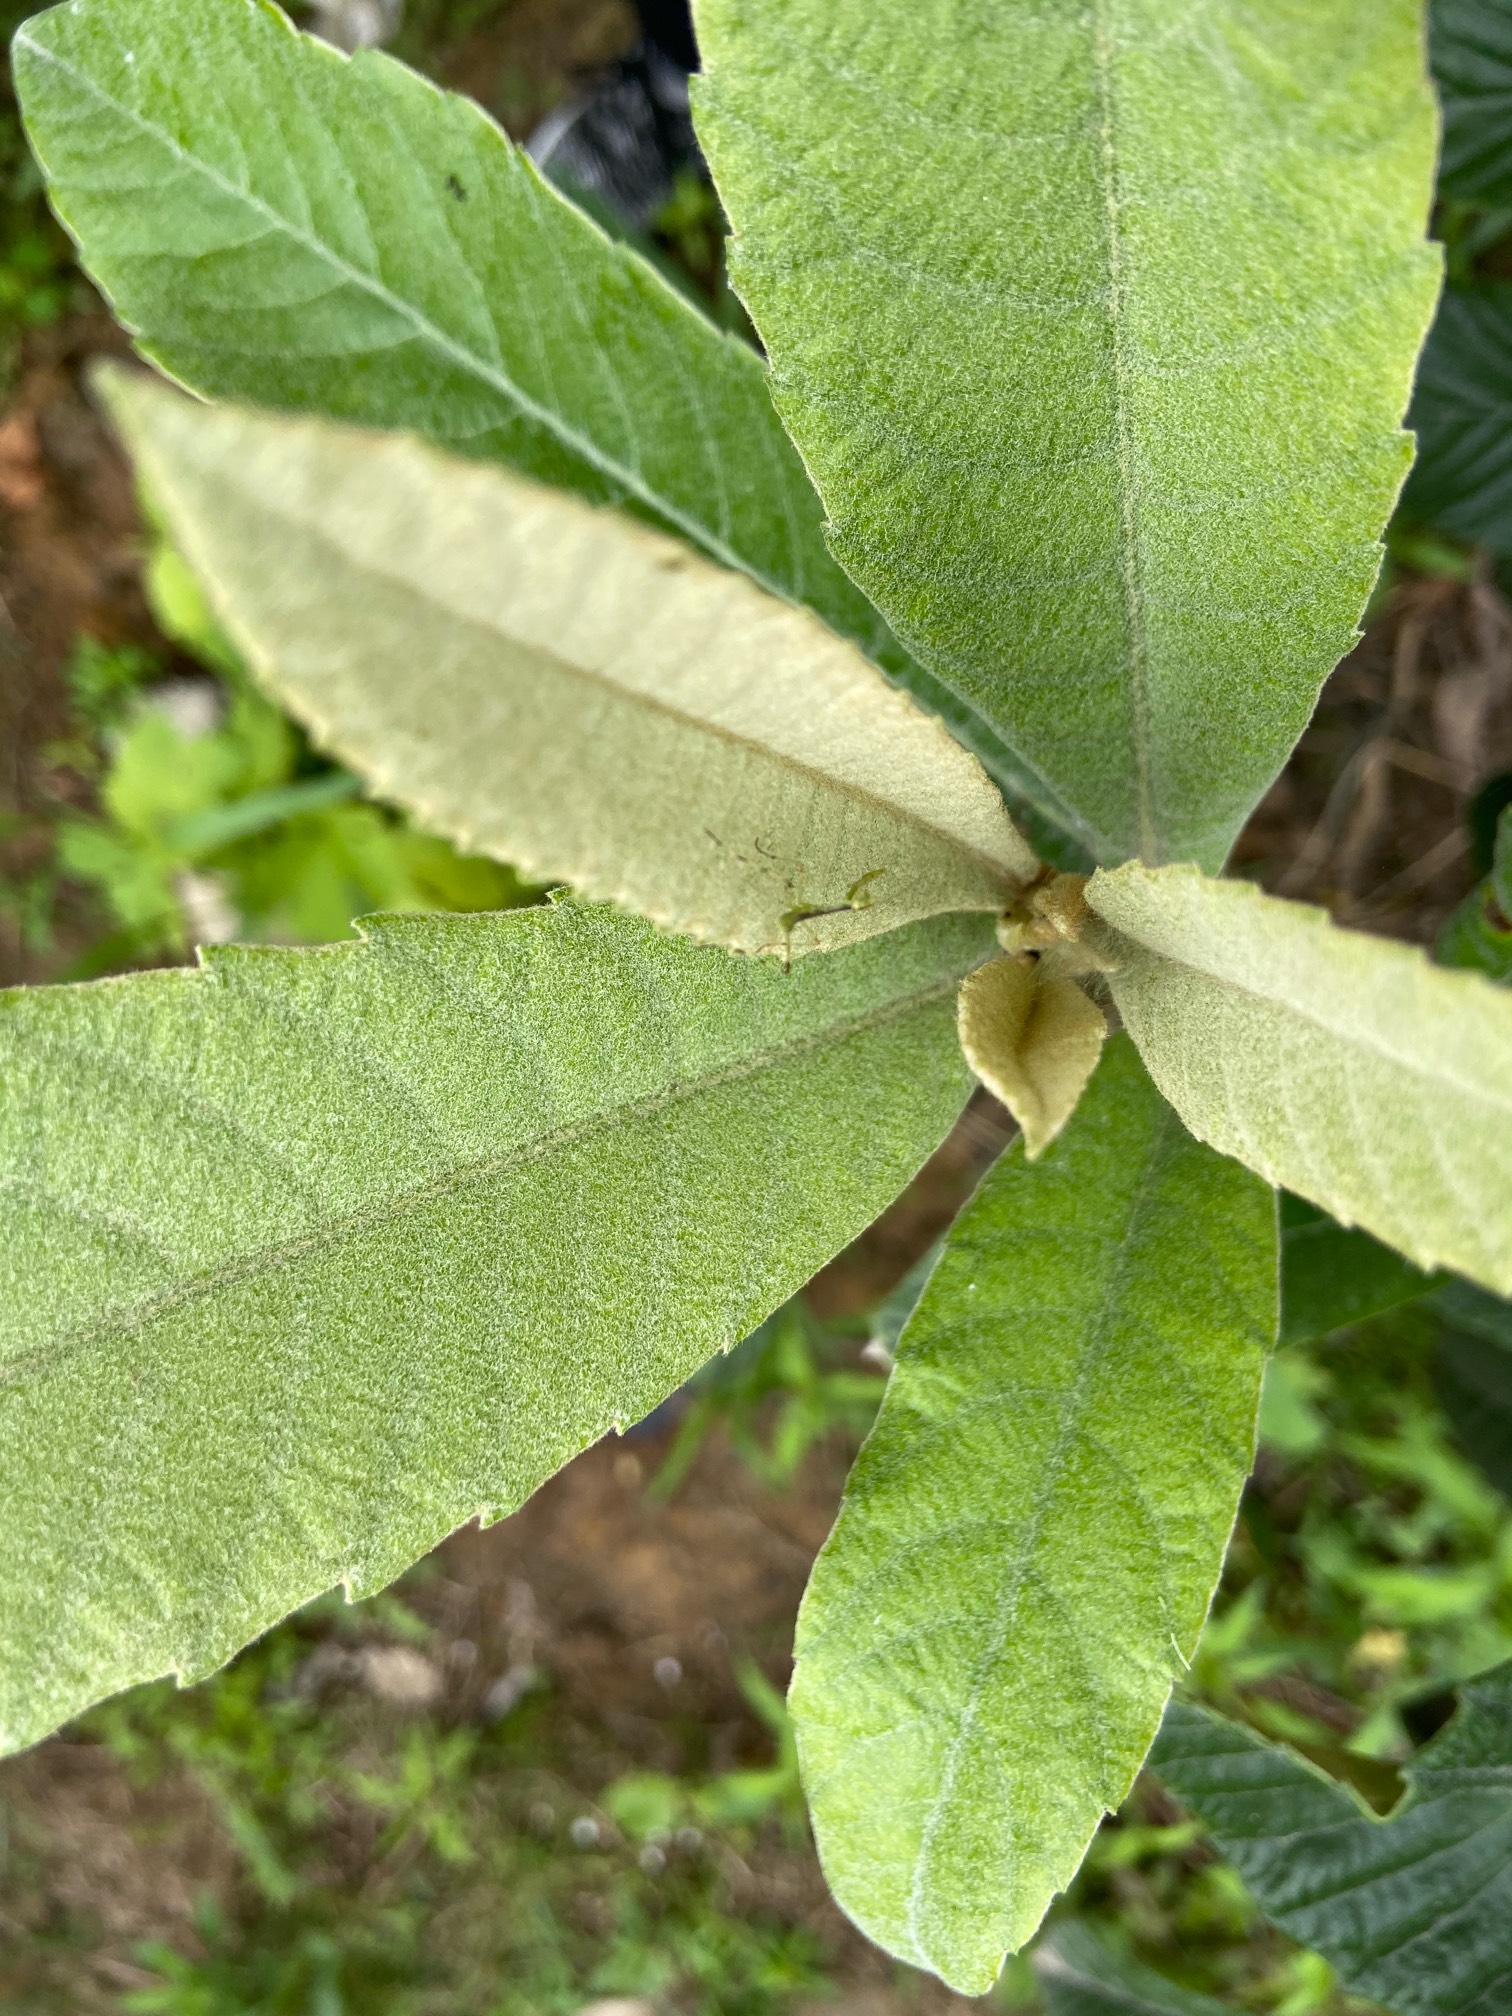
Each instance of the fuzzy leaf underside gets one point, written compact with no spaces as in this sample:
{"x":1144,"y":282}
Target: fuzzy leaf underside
{"x":1095,"y":324}
{"x":279,"y":223}
{"x":308,"y":1257}
{"x":1079,"y":1976}
{"x":1340,"y":1066}
{"x":569,"y":691}
{"x":1414,"y":1911}
{"x":1032,"y":1534}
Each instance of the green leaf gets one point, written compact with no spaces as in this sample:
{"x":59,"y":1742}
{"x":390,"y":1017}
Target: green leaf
{"x":1474,"y":1376}
{"x":1479,"y":934}
{"x":279,"y":223}
{"x":1414,"y":1911}
{"x":598,"y":703}
{"x":1080,"y":1976}
{"x":1032,"y":1534}
{"x":1340,"y":1066}
{"x":1462,"y":413}
{"x":1471,"y":43}
{"x":310,"y":1256}
{"x":1095,"y":325}
{"x":1335,"y":1275}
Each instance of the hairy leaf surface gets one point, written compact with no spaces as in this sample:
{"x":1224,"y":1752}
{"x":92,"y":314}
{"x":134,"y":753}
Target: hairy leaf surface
{"x":280,"y":223}
{"x":1080,"y":1976}
{"x":1095,"y":324}
{"x":1414,"y":1911}
{"x":307,"y":1257}
{"x":570,"y":691}
{"x":1462,"y":411}
{"x":1342,"y":1066}
{"x":1032,"y":1534}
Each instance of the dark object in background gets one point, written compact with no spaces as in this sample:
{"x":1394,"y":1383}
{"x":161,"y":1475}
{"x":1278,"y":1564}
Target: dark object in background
{"x":625,"y":143}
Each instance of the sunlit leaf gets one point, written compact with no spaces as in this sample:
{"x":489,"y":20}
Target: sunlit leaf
{"x":307,"y":1257}
{"x":1095,"y":325}
{"x":280,"y":223}
{"x":1340,"y":1066}
{"x":1032,"y":1534}
{"x":569,"y":691}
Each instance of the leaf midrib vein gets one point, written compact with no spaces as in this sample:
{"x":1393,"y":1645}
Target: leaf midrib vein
{"x":1255,"y":993}
{"x":397,"y":1208}
{"x":320,"y":534}
{"x":552,"y":422}
{"x":1022,"y":1566}
{"x":1139,"y":696}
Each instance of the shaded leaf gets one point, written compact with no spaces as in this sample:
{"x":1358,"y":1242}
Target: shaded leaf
{"x":1080,"y":1976}
{"x":1034,"y":1040}
{"x":1109,"y":448}
{"x":310,"y":1256}
{"x":1032,"y":1534}
{"x":1335,"y":1275}
{"x":1471,"y":43}
{"x":1414,"y":1911}
{"x":1462,"y":414}
{"x":1342,"y":1066}
{"x":891,"y":1315}
{"x":1479,"y":934}
{"x":569,"y":691}
{"x":1474,"y":1376}
{"x":280,"y":223}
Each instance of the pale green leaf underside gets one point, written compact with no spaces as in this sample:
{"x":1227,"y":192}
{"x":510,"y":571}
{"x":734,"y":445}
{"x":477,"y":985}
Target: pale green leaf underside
{"x":1095,"y":324}
{"x":569,"y":691}
{"x":1341,"y":1066}
{"x":1032,"y":1534}
{"x":1415,"y":1911}
{"x":307,"y":1257}
{"x":281,"y":224}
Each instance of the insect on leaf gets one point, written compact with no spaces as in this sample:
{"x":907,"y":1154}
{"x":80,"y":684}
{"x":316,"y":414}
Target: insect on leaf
{"x":1095,"y":325}
{"x":1034,"y":1040}
{"x":311,"y":1256}
{"x":1414,"y":1911}
{"x":1032,"y":1534}
{"x":279,"y":223}
{"x":570,"y":691}
{"x":1340,"y":1066}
